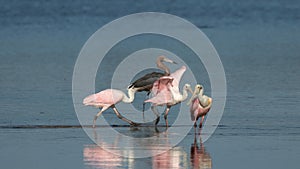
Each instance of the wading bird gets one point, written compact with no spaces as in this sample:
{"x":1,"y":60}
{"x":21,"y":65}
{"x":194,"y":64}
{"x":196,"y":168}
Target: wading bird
{"x":166,"y":92}
{"x":146,"y":82}
{"x":108,"y":99}
{"x":200,"y":105}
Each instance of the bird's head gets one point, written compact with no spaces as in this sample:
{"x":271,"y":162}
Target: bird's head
{"x":197,"y":90}
{"x":131,"y":89}
{"x":187,"y":87}
{"x":165,"y":59}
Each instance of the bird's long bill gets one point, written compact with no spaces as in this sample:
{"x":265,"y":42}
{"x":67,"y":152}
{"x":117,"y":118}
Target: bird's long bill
{"x":190,"y":89}
{"x":169,"y":60}
{"x":195,"y":94}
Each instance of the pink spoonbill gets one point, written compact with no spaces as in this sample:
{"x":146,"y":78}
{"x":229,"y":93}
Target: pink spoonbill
{"x":166,"y":92}
{"x":108,"y":99}
{"x":200,"y":105}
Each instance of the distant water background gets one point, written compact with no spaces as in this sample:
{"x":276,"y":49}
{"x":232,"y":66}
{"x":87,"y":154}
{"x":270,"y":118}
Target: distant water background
{"x":258,"y":43}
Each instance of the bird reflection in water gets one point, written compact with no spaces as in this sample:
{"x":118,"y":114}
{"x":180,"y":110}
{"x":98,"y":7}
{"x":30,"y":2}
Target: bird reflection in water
{"x":177,"y":157}
{"x":199,"y":157}
{"x":174,"y":158}
{"x":97,"y":157}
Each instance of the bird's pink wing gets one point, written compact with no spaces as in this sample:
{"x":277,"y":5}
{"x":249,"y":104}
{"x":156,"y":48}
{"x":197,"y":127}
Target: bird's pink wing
{"x":177,"y":75}
{"x":161,"y":84}
{"x":161,"y":92}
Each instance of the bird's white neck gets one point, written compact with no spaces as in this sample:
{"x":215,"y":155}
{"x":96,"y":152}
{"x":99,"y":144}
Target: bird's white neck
{"x":201,"y":92}
{"x":184,"y":94}
{"x":129,"y":99}
{"x":180,"y":98}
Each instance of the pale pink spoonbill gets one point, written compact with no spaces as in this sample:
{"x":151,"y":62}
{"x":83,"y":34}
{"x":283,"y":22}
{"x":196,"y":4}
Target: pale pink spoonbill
{"x":109,"y":98}
{"x":200,"y":105}
{"x":166,"y":92}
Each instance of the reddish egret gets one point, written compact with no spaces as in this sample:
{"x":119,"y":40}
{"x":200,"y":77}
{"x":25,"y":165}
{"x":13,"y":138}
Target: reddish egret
{"x":200,"y":105}
{"x":109,"y":98}
{"x":166,"y":92}
{"x":146,"y":82}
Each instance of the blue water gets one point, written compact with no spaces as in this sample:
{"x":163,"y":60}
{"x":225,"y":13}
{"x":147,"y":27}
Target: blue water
{"x":258,"y":43}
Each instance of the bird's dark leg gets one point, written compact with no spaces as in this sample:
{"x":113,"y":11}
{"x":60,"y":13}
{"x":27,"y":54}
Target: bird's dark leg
{"x":195,"y":138}
{"x":95,"y":135}
{"x":123,"y":118}
{"x":144,"y":111}
{"x":147,"y":97}
{"x":195,"y":123}
{"x":97,"y":115}
{"x":156,"y":129}
{"x":143,"y":115}
{"x":144,"y":107}
{"x":166,"y":115}
{"x":154,"y":110}
{"x":201,"y":122}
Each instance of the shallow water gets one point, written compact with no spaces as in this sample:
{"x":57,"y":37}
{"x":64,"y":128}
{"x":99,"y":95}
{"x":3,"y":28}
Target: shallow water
{"x":258,"y":43}
{"x":71,"y":148}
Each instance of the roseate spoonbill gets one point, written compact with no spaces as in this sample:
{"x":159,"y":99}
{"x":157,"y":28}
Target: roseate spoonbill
{"x":109,"y":98}
{"x":146,"y":82}
{"x":166,"y":92}
{"x":200,"y":105}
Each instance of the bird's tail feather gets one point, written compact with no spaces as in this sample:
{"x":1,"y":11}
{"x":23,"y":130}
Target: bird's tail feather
{"x":89,"y":99}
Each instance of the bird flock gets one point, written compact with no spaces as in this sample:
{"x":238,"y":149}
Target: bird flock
{"x":164,"y":89}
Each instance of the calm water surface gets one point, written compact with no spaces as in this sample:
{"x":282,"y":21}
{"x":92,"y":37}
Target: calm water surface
{"x":258,"y":43}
